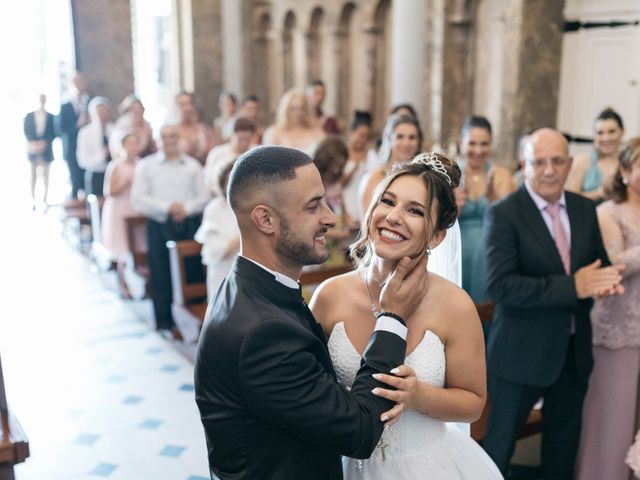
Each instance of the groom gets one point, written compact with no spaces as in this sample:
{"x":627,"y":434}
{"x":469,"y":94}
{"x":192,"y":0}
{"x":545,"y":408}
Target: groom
{"x":266,"y":389}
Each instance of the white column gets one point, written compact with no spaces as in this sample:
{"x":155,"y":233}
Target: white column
{"x":408,"y":30}
{"x":233,"y":50}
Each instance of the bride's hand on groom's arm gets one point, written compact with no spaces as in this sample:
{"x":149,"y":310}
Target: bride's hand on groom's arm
{"x":407,"y":389}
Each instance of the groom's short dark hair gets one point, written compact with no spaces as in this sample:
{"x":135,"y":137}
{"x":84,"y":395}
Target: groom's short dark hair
{"x":263,"y":167}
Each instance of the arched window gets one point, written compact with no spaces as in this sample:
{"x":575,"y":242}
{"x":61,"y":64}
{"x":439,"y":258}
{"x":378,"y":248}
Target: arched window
{"x":288,"y":50}
{"x":381,"y":63}
{"x":262,"y":82}
{"x":314,"y":45}
{"x":344,"y":50}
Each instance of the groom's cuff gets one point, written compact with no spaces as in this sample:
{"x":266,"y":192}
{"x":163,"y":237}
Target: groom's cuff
{"x":388,"y":322}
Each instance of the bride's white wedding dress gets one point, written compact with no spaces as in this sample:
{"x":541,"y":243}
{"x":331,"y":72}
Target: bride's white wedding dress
{"x":417,"y":446}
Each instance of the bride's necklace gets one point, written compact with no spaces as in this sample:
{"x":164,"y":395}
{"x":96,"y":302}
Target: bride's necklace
{"x":375,"y":311}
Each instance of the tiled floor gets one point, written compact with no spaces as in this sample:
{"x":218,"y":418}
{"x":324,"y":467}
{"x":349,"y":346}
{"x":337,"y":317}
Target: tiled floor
{"x":98,"y":392}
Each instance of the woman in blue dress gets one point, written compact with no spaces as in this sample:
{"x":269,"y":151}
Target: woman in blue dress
{"x":591,"y":171}
{"x":483,"y":184}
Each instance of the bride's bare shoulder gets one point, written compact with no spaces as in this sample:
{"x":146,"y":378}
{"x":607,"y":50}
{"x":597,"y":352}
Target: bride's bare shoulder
{"x":445,"y":296}
{"x":333,"y":287}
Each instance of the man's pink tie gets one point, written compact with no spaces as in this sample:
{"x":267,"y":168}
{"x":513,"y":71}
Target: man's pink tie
{"x":560,"y":236}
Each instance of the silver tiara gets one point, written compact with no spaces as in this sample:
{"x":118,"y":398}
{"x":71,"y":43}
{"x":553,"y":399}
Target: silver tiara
{"x":432,"y":161}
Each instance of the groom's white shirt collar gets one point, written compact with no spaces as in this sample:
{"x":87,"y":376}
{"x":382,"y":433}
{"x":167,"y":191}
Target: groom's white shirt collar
{"x":283,"y":279}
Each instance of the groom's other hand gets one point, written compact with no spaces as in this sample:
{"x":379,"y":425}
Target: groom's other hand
{"x":406,"y":287}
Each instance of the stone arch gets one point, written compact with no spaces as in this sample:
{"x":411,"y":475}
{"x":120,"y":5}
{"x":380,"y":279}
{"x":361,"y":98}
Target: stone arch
{"x":315,"y":44}
{"x":344,"y":52}
{"x":288,"y":49}
{"x":380,"y":63}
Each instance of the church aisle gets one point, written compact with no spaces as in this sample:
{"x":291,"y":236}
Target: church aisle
{"x":99,"y":393}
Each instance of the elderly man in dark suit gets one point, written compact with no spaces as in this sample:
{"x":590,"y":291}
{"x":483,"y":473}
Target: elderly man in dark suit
{"x":545,"y":263}
{"x":267,"y":391}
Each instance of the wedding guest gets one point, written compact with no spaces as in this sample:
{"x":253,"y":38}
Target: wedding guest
{"x":591,"y":172}
{"x":93,"y":145}
{"x":483,"y":184}
{"x":117,"y":205}
{"x":362,"y":159}
{"x":132,"y":118}
{"x":196,"y":138}
{"x":401,"y":141}
{"x":168,"y":188}
{"x":241,"y":140}
{"x":295,"y":125}
{"x":39,"y":131}
{"x":250,"y":109}
{"x":330,"y":159}
{"x":316,"y":93}
{"x":73,"y":116}
{"x":612,"y":405}
{"x":218,"y":234}
{"x":223,"y":124}
{"x":545,"y":263}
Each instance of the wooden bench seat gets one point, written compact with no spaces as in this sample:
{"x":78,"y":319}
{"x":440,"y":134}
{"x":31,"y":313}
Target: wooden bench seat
{"x":137,"y":273}
{"x":77,"y":224}
{"x":189,"y":294}
{"x":479,"y":427}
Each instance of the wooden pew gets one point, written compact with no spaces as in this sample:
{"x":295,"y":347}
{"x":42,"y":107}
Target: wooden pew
{"x":14,"y":445}
{"x":479,"y":427}
{"x":189,"y":295}
{"x":76,"y":224}
{"x":137,"y":273}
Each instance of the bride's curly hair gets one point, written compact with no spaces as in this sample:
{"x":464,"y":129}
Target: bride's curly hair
{"x":440,"y":188}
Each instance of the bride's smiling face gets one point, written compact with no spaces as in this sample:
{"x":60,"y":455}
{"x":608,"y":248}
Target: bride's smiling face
{"x":400,"y":221}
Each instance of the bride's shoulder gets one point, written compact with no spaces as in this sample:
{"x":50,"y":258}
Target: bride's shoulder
{"x":330,"y":295}
{"x":454,"y":303}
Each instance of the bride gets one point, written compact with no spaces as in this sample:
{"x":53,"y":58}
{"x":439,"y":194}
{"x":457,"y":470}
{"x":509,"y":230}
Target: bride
{"x":443,"y":378}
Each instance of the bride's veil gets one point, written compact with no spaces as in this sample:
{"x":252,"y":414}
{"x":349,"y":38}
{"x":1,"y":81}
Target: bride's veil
{"x":446,"y":260}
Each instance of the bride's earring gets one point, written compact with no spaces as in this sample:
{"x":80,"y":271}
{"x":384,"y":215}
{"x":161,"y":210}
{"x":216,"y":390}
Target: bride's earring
{"x":625,"y":180}
{"x":428,"y":250}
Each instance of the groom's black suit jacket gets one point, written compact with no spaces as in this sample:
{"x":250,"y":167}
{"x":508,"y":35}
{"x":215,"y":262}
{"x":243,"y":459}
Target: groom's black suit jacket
{"x":267,"y":391}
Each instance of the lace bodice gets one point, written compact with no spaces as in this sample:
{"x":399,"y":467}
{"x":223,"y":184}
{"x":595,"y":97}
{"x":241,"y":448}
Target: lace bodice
{"x":616,"y":320}
{"x":414,"y":433}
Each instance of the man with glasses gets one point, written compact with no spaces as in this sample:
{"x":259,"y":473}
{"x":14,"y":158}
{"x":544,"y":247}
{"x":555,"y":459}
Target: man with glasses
{"x":545,"y":264}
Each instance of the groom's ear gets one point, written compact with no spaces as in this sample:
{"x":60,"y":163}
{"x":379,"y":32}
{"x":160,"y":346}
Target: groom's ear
{"x":264,"y":219}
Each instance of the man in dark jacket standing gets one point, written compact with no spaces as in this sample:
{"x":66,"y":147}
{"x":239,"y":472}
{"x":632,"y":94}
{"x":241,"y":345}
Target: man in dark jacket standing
{"x":265,"y":386}
{"x":39,"y":130}
{"x":74,"y":115}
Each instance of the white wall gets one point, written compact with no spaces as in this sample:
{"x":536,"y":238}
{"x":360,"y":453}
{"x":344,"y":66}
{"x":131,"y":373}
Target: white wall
{"x":232,"y":43}
{"x":600,"y":67}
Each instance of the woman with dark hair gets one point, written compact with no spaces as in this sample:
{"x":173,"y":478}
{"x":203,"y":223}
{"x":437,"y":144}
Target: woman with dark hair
{"x":409,"y":215}
{"x":612,"y":405}
{"x":362,"y":159}
{"x":591,"y":172}
{"x":401,"y":141}
{"x":483,"y":184}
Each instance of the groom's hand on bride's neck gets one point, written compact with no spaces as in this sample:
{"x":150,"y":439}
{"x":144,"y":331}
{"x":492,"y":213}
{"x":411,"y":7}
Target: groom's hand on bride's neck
{"x":406,"y":287}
